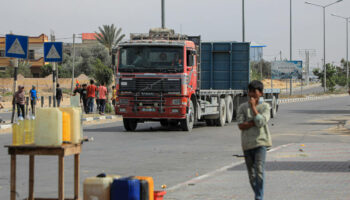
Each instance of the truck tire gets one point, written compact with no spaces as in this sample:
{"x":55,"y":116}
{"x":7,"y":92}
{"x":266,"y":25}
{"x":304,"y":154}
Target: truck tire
{"x":229,"y":108}
{"x":222,"y":113}
{"x":130,"y":124}
{"x":187,"y":124}
{"x":164,"y":122}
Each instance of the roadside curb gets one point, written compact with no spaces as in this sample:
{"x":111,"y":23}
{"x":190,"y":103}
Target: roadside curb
{"x":309,"y":98}
{"x":87,"y":119}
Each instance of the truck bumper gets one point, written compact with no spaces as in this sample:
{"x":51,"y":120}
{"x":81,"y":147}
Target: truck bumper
{"x":167,"y":112}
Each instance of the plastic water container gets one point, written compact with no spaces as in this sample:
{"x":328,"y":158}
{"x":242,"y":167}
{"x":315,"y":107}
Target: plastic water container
{"x":48,"y":127}
{"x":27,"y":132}
{"x":125,"y":189}
{"x":75,"y":124}
{"x":17,"y":137}
{"x":97,"y":188}
{"x":32,"y":126}
{"x":21,"y":130}
{"x":66,"y":127}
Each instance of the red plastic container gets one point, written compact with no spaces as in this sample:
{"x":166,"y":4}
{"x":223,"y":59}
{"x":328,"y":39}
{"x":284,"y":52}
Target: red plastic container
{"x":159,"y":195}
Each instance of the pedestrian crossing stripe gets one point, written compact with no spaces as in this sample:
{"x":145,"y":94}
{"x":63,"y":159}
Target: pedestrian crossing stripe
{"x":53,"y":54}
{"x":16,"y":48}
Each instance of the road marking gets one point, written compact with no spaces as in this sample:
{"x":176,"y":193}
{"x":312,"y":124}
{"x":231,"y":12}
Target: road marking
{"x":217,"y":171}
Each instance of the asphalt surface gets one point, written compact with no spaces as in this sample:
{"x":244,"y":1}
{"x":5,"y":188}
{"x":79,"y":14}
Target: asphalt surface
{"x":172,"y":156}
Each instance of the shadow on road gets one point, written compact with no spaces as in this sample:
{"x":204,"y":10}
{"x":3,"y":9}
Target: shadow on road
{"x":311,"y":166}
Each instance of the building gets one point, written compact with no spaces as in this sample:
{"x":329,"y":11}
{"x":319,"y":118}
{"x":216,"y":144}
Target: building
{"x":35,"y":53}
{"x":256,"y":51}
{"x":88,"y":40}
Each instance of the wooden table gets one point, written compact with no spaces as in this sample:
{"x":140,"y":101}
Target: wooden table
{"x":60,"y":151}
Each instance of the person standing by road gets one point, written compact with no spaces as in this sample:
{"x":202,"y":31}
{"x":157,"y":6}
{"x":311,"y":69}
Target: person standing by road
{"x":114,"y":96}
{"x":91,"y":89}
{"x":83,"y":97}
{"x":59,"y":95}
{"x":252,"y":118}
{"x":33,"y":98}
{"x":19,"y":100}
{"x":102,"y":91}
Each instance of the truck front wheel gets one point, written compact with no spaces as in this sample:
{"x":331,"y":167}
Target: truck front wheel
{"x":130,"y":124}
{"x":187,"y":124}
{"x":222,"y":113}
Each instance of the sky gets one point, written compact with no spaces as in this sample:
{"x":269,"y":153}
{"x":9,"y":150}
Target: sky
{"x":267,"y":21}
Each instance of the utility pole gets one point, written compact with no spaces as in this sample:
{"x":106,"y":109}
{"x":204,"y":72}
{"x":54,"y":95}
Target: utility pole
{"x":163,"y":14}
{"x":290,"y":45}
{"x":280,"y":55}
{"x":324,"y":38}
{"x":16,"y":66}
{"x":307,"y":66}
{"x":347,"y":47}
{"x":72,"y":86}
{"x":54,"y":71}
{"x":243,"y":22}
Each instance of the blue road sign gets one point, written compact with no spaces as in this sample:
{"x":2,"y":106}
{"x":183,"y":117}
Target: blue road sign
{"x":16,"y":46}
{"x":53,"y":51}
{"x":287,"y":69}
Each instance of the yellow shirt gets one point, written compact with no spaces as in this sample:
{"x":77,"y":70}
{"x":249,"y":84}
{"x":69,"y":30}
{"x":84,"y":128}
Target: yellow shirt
{"x":114,"y":95}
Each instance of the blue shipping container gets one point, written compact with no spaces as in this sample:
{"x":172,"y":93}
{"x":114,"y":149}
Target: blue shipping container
{"x":225,"y":65}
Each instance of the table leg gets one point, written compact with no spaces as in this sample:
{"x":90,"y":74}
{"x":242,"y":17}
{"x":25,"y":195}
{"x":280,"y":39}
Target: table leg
{"x":76,"y":175}
{"x":31,"y":177}
{"x":13,"y":177}
{"x":60,"y":177}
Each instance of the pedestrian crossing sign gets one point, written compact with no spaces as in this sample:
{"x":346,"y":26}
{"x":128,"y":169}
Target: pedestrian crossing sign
{"x":53,"y":51}
{"x":16,"y":46}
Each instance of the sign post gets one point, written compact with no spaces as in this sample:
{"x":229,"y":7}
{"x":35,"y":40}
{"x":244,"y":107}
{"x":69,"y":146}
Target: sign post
{"x":53,"y":52}
{"x":16,"y":46}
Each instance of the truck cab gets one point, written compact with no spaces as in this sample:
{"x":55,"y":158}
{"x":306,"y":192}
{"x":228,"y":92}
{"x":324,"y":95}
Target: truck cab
{"x":156,"y":77}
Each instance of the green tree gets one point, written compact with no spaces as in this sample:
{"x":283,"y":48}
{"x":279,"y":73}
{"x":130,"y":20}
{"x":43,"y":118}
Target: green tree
{"x":109,"y":36}
{"x":331,"y":73}
{"x":23,"y":69}
{"x":102,"y":73}
{"x":260,"y":70}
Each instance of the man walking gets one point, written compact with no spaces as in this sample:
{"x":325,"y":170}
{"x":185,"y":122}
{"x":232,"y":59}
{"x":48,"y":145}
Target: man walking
{"x":33,"y":98}
{"x":59,"y":95}
{"x":91,"y":89}
{"x":83,"y":97}
{"x":102,"y":91}
{"x":19,"y":100}
{"x":252,"y":118}
{"x":114,"y":96}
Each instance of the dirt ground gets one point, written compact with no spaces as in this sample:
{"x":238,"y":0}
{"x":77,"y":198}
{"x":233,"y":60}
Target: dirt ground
{"x":280,"y":84}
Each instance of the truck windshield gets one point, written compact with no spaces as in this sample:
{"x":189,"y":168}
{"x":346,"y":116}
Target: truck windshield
{"x":151,"y":59}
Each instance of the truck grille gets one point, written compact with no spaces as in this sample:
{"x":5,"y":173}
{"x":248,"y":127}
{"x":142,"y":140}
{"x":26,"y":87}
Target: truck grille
{"x":151,"y":85}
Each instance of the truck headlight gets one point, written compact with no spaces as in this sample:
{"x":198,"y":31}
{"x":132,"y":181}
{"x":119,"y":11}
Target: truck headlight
{"x":123,"y":101}
{"x":174,"y":110}
{"x":122,"y":110}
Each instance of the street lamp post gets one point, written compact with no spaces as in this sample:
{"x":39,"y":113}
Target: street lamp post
{"x":347,"y":47}
{"x":324,"y":37}
{"x":290,"y":44}
{"x":243,"y":23}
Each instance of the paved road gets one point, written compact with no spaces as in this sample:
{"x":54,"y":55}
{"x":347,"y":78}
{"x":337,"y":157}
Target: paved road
{"x":173,"y":157}
{"x":6,"y":116}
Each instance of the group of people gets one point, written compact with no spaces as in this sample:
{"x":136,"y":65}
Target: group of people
{"x":89,"y":94}
{"x":19,"y":100}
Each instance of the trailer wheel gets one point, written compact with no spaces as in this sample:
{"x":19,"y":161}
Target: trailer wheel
{"x":229,"y":108}
{"x":187,"y":124}
{"x":222,"y":114}
{"x":164,"y":122}
{"x":130,"y":124}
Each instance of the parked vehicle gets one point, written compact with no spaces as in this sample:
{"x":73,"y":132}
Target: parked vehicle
{"x":179,"y":80}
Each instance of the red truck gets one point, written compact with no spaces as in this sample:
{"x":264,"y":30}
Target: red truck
{"x":162,"y":76}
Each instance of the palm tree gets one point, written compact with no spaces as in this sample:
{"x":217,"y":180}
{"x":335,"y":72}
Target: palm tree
{"x":109,"y":36}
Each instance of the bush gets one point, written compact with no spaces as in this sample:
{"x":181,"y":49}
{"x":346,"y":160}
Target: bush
{"x":109,"y":108}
